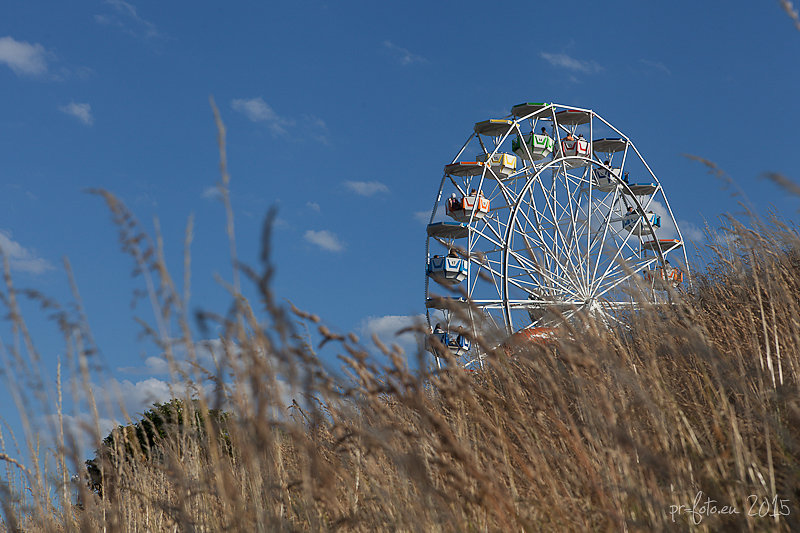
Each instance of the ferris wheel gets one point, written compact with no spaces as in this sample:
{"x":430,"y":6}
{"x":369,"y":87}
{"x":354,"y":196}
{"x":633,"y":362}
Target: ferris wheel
{"x":545,"y":215}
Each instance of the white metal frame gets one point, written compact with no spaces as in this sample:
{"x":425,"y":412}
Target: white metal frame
{"x":552,"y":243}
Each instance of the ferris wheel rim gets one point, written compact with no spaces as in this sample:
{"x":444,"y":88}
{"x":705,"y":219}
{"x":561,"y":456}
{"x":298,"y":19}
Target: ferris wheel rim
{"x":521,"y":198}
{"x":515,"y":125}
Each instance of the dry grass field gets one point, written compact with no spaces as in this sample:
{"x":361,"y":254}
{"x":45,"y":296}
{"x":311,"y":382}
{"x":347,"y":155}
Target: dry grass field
{"x":605,"y":430}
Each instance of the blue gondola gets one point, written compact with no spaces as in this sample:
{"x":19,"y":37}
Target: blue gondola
{"x":447,"y":270}
{"x":458,"y":344}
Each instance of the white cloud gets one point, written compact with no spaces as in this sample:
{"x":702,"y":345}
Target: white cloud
{"x":117,"y":398}
{"x":20,"y":258}
{"x":325,"y":240}
{"x":257,"y":110}
{"x":82,"y":112}
{"x":205,"y":353}
{"x":314,"y":206}
{"x":152,"y":365}
{"x":404,"y":56}
{"x":79,"y":431}
{"x":305,"y":127}
{"x":211,"y":193}
{"x":123,"y":7}
{"x":366,"y":188}
{"x":691,"y":232}
{"x":423,"y":217}
{"x":139,"y":395}
{"x":127,"y":19}
{"x":17,"y":188}
{"x":570,"y":63}
{"x":725,"y":239}
{"x":386,"y":328}
{"x":315,"y":128}
{"x":22,"y":57}
{"x":135,"y":397}
{"x":656,"y":65}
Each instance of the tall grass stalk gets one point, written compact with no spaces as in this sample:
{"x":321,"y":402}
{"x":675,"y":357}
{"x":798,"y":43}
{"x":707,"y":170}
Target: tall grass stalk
{"x":604,"y":430}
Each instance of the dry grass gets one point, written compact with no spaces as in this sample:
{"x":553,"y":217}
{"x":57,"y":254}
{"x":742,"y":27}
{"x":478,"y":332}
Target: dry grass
{"x":605,"y":431}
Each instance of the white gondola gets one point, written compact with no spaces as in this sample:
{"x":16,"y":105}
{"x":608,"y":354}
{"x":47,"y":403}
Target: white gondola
{"x":576,"y":147}
{"x":448,"y":230}
{"x":494,"y":127}
{"x":635,"y":223}
{"x":462,"y":210}
{"x":604,"y":180}
{"x":464,"y":169}
{"x":529,"y":108}
{"x":458,"y":344}
{"x":573,"y":117}
{"x":501,"y":165}
{"x":538,"y":147}
{"x":609,"y":146}
{"x":447,"y":270}
{"x":661,"y":278}
{"x":665,"y":245}
{"x":641,"y":189}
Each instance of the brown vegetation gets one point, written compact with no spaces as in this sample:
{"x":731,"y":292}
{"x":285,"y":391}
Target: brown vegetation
{"x":606,"y":430}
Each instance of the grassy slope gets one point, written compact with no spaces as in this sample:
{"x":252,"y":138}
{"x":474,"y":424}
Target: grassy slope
{"x":602,"y":431}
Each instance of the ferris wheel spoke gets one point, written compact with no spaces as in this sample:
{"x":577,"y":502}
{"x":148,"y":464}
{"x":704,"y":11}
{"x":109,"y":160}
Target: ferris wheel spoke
{"x":532,"y":207}
{"x":609,"y":315}
{"x":613,"y":263}
{"x":529,"y":247}
{"x":614,"y":271}
{"x":493,"y":192}
{"x":548,"y":202}
{"x":632,"y":273}
{"x":518,"y":131}
{"x":606,"y":227}
{"x":553,"y":279}
{"x":580,"y":227}
{"x":534,"y":267}
{"x":558,"y":253}
{"x":572,"y":217}
{"x":534,"y":227}
{"x":492,"y":275}
{"x":494,"y":237}
{"x":485,"y":271}
{"x":509,"y":194}
{"x":568,"y":314}
{"x":531,"y":194}
{"x":618,"y":252}
{"x":528,"y":287}
{"x":588,"y":213}
{"x":560,"y":218}
{"x":462,"y":191}
{"x":616,"y":274}
{"x":498,"y":273}
{"x":540,"y":236}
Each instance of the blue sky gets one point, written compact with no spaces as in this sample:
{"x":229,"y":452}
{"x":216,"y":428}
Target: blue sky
{"x":342,"y":115}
